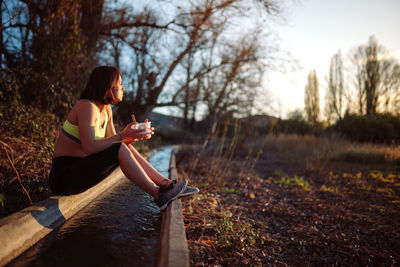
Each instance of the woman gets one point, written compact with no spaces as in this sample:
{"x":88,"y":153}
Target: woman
{"x":88,"y":147}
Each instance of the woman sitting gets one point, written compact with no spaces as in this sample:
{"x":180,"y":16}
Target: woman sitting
{"x":88,"y":147}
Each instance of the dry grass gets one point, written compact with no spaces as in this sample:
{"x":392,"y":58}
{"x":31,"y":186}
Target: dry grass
{"x":368,"y":153}
{"x":291,"y":200}
{"x":287,"y":153}
{"x":303,"y":149}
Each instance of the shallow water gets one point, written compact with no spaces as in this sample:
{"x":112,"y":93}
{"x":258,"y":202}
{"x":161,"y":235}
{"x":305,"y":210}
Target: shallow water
{"x":119,"y":228}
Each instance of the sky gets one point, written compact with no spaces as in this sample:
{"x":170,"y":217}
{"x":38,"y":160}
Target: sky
{"x":317,"y":29}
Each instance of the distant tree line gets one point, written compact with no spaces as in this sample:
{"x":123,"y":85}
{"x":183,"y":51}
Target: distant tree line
{"x":189,"y":54}
{"x":362,"y":99}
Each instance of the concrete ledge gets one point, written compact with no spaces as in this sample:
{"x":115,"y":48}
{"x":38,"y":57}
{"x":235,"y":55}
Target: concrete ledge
{"x":172,"y":245}
{"x":21,"y":230}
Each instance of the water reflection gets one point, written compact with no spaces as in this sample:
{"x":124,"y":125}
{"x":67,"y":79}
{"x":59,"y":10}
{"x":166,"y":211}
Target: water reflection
{"x":120,"y":228}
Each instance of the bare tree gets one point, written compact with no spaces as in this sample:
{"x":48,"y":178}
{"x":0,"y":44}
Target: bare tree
{"x":233,"y":86}
{"x":191,"y":93}
{"x":171,"y":60}
{"x":359,"y":80}
{"x":64,"y":40}
{"x":376,"y":75}
{"x":44,"y":47}
{"x":311,"y":98}
{"x":390,"y":85}
{"x":157,"y":54}
{"x":335,"y":99}
{"x":51,"y":45}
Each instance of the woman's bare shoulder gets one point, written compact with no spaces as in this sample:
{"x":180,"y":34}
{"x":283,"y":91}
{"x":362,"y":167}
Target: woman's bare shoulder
{"x":84,"y":105}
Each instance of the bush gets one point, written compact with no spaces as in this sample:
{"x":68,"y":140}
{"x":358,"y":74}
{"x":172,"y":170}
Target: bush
{"x":360,"y":155}
{"x":27,"y":136}
{"x":294,"y":126}
{"x":18,"y":119}
{"x":381,"y":128}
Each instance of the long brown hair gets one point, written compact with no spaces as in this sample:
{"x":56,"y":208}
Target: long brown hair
{"x":101,"y":82}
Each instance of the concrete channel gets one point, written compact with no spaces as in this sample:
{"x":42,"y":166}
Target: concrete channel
{"x":70,"y":230}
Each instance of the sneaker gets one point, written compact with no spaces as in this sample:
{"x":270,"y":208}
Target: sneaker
{"x":169,"y":193}
{"x":189,"y":190}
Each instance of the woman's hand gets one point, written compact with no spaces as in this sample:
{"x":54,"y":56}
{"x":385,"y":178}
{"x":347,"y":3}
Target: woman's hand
{"x":130,"y":134}
{"x":149,"y":134}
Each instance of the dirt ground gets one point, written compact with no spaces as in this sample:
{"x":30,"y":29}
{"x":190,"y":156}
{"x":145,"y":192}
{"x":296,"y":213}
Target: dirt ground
{"x":274,"y":206}
{"x":281,"y":213}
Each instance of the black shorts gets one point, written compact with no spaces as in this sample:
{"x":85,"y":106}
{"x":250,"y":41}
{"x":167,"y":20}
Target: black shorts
{"x":73,"y":175}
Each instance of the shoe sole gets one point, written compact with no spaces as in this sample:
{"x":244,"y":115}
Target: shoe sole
{"x":163,"y":207}
{"x":189,"y":194}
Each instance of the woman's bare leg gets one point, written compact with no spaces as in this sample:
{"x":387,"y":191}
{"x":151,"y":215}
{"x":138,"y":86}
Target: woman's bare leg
{"x":135,"y":172}
{"x":153,"y":174}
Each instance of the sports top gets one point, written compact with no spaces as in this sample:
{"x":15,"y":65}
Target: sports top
{"x":72,"y":131}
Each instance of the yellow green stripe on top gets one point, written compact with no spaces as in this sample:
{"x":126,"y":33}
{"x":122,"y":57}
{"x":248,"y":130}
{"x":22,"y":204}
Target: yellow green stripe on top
{"x":72,"y":131}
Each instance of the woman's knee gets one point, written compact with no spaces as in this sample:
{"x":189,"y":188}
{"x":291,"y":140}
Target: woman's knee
{"x":124,"y":151}
{"x":133,"y":150}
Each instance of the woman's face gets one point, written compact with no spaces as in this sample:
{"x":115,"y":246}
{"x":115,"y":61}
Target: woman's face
{"x":118,"y":91}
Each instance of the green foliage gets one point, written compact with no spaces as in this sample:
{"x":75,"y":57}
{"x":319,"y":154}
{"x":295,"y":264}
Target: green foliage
{"x":388,"y":178}
{"x":294,"y":181}
{"x":54,"y":69}
{"x":333,"y":190}
{"x":2,"y":200}
{"x":28,"y":134}
{"x":18,"y":119}
{"x":46,"y":91}
{"x":230,"y":190}
{"x":235,"y":235}
{"x":382,"y":128}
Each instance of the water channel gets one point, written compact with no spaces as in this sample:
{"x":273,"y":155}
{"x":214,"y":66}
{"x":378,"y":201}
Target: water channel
{"x":119,"y":228}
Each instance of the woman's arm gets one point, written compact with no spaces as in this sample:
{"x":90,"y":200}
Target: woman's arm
{"x":126,"y":134}
{"x":87,"y":114}
{"x":110,"y":131}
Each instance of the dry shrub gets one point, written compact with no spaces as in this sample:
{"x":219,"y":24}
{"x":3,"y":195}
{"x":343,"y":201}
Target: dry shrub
{"x":27,"y":138}
{"x":292,"y":148}
{"x":300,"y":149}
{"x":24,"y":172}
{"x":368,"y":153}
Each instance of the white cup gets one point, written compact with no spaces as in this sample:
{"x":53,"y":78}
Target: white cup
{"x":143,"y":125}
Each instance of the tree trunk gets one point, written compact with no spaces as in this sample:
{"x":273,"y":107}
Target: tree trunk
{"x":91,"y":22}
